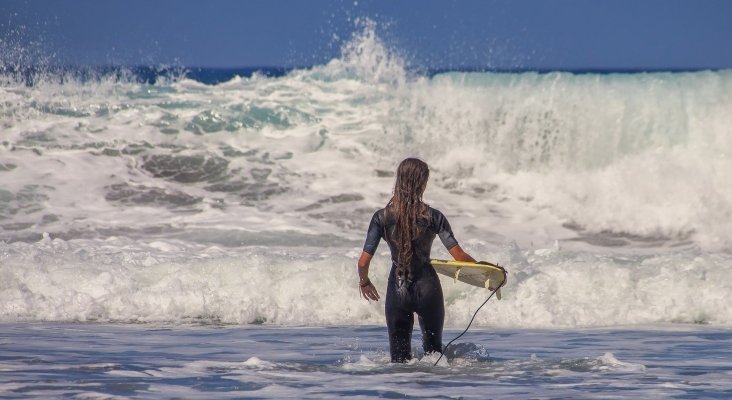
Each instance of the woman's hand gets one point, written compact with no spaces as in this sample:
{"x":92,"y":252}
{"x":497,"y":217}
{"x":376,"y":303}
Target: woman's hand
{"x":368,"y":291}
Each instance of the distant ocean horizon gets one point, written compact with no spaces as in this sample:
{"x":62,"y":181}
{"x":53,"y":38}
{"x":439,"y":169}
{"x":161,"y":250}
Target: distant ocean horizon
{"x":150,"y":74}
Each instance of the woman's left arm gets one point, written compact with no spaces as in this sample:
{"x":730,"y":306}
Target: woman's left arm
{"x":459,"y":254}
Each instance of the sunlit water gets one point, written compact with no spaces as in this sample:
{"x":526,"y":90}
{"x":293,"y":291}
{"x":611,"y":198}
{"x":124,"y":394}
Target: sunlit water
{"x":126,"y":206}
{"x":205,"y":362}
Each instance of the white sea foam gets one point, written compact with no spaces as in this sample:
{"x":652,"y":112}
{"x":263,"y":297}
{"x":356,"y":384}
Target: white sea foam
{"x":95,"y":281}
{"x":610,"y":362}
{"x":247,"y":201}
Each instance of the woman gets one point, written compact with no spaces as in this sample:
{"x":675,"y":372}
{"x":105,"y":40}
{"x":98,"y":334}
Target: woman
{"x":409,"y":226}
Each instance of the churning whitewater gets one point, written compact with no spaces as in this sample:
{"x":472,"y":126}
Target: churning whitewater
{"x":608,"y":197}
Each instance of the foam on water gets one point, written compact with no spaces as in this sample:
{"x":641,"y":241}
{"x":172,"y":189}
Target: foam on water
{"x":124,"y":281}
{"x":149,"y":361}
{"x":247,"y":201}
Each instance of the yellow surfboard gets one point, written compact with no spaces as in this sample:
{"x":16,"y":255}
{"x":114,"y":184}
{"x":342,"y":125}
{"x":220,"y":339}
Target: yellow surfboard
{"x":485,"y":275}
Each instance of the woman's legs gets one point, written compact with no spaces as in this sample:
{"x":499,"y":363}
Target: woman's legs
{"x":431,"y":312}
{"x":424,"y":297}
{"x":400,"y":322}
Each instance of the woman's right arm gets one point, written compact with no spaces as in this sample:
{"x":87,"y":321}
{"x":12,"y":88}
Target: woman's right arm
{"x":373,"y":236}
{"x":365,"y":286}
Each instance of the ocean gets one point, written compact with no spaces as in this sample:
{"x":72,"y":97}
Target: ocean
{"x":179,"y":233}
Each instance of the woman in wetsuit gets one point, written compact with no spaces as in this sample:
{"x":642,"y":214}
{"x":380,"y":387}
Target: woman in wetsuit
{"x":409,"y":226}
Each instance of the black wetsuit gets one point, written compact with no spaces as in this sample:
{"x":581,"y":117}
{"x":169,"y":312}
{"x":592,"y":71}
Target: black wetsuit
{"x":421,"y":293}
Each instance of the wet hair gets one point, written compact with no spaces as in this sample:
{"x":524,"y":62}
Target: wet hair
{"x":408,"y":210}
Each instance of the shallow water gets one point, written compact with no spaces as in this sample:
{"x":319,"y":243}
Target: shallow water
{"x":68,"y":360}
{"x":130,"y":210}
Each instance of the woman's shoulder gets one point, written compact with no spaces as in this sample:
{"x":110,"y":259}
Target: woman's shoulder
{"x":435,"y":212}
{"x":378,"y":215}
{"x":437,"y":217}
{"x":380,"y":211}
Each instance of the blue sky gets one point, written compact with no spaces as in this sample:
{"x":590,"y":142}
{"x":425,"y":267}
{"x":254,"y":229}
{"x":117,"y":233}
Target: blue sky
{"x":492,"y":34}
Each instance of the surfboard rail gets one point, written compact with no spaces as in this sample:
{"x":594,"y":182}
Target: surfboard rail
{"x":481,"y":274}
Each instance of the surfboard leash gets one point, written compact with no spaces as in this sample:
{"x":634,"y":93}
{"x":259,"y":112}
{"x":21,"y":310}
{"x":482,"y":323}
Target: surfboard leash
{"x":444,"y":350}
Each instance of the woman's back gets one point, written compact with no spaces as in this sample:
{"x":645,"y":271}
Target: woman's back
{"x":383,"y":225}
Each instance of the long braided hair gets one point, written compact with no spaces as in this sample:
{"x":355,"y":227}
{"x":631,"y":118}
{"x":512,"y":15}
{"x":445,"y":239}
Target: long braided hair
{"x":408,"y":209}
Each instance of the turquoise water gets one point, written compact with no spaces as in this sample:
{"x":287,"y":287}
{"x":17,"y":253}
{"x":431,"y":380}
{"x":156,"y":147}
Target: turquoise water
{"x":182,"y":239}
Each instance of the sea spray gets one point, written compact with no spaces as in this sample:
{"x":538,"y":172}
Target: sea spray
{"x":247,"y":201}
